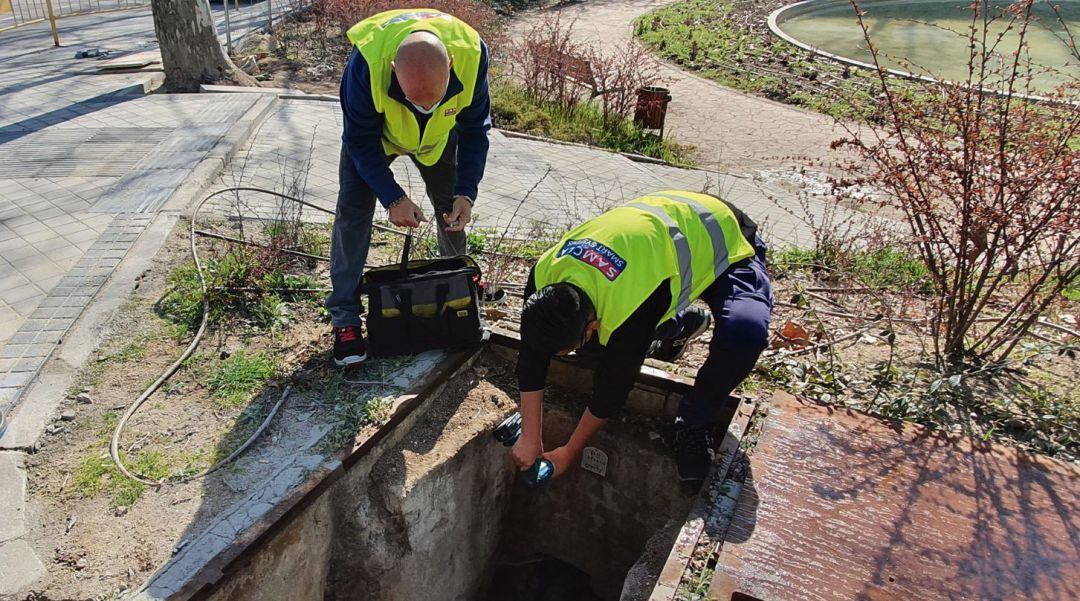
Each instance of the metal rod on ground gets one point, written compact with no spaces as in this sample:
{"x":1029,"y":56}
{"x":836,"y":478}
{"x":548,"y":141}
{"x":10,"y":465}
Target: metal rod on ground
{"x":52,"y":23}
{"x":258,"y":245}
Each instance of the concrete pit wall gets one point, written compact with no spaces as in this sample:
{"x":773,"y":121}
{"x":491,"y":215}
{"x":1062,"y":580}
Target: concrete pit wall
{"x":430,"y":515}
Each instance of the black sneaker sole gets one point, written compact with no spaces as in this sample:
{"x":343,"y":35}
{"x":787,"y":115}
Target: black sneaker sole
{"x":698,"y":332}
{"x":691,"y":480}
{"x":350,"y":360}
{"x":498,"y":298}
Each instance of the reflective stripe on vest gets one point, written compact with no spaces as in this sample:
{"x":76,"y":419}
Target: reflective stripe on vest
{"x":682,"y":246}
{"x":619,"y":258}
{"x":716,"y":233}
{"x":682,"y":250}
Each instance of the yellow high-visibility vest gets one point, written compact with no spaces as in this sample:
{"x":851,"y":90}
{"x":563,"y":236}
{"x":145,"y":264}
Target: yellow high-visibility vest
{"x":620,"y":257}
{"x":377,"y":38}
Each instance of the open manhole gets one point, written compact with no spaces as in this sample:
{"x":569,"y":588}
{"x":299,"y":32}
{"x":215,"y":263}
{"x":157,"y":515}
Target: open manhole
{"x":439,"y":513}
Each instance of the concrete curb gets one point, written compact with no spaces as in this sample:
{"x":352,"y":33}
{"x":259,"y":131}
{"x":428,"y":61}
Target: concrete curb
{"x":637,"y":158}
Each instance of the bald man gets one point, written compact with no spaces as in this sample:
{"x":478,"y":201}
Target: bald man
{"x":416,"y":85}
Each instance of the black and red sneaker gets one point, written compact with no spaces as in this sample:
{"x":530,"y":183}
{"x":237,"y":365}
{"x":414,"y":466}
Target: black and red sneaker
{"x":349,"y":347}
{"x":491,"y":294}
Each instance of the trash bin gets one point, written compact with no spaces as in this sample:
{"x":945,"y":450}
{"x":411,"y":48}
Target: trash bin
{"x":651,"y":108}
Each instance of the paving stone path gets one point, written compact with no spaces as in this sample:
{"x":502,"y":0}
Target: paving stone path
{"x":87,"y":161}
{"x":733,"y":131}
{"x":76,"y":196}
{"x":83,"y":155}
{"x":569,"y":183}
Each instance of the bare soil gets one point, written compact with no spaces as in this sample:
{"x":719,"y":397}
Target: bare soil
{"x":471,"y":402}
{"x":102,"y":542}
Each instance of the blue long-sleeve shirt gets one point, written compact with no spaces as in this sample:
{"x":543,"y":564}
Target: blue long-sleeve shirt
{"x":363,"y":129}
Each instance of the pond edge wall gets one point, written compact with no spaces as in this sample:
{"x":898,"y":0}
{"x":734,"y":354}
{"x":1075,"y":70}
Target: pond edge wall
{"x":778,"y":16}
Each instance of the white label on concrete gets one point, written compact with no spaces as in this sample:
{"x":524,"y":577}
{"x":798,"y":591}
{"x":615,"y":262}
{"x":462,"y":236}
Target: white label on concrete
{"x":594,"y":460}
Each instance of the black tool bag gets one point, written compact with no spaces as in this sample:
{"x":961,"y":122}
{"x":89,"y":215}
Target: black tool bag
{"x":422,"y":305}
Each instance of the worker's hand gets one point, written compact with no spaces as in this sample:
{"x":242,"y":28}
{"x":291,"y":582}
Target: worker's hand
{"x":405,"y":213}
{"x":526,"y":451}
{"x":562,"y":458}
{"x":455,"y":221}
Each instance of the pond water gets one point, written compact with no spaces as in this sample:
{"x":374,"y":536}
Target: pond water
{"x":931,"y":37}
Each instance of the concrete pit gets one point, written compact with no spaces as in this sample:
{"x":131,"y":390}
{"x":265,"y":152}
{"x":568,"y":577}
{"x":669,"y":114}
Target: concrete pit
{"x":436,"y":512}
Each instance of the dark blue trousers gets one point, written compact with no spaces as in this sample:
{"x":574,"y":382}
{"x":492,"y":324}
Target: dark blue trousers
{"x":741,"y":303}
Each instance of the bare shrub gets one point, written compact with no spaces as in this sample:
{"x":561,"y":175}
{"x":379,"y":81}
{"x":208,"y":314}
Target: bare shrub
{"x":620,"y":74}
{"x":553,"y":66}
{"x":988,"y":182}
{"x":343,"y":14}
{"x":547,"y":62}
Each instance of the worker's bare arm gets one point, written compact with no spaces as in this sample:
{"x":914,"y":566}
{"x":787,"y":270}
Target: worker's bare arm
{"x":565,"y":456}
{"x":530,"y":446}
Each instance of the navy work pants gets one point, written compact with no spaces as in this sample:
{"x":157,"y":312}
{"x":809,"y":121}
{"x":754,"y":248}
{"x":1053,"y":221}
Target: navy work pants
{"x":741,"y":303}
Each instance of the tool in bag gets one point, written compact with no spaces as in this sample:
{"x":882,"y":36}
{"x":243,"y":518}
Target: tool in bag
{"x":423,"y":304}
{"x":542,"y":470}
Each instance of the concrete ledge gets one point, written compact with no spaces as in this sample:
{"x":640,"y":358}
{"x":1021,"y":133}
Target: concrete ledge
{"x":715,"y":498}
{"x":151,"y":82}
{"x":19,"y":568}
{"x":228,"y":543}
{"x":637,"y":158}
{"x":215,"y":89}
{"x":12,"y":497}
{"x":656,"y":392}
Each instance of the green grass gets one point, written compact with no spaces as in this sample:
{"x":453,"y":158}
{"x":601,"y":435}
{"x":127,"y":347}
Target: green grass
{"x":313,"y":239}
{"x":233,"y":380}
{"x":130,"y":352}
{"x":515,"y":109}
{"x":351,"y":412}
{"x":703,"y":36}
{"x":1072,"y":291}
{"x":883,"y":268}
{"x":891,"y":268}
{"x":181,"y":305}
{"x":97,"y":474}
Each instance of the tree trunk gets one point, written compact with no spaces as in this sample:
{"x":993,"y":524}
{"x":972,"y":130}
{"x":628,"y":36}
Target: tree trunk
{"x":190,"y":50}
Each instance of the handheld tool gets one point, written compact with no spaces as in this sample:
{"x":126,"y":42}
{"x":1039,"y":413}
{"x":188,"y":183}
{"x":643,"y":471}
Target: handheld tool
{"x":542,"y":471}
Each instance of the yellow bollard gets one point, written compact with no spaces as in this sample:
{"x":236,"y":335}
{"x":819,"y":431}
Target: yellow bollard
{"x":52,"y":23}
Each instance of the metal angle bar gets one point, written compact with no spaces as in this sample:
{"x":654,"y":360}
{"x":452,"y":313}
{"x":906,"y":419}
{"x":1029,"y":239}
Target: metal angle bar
{"x":667,"y":584}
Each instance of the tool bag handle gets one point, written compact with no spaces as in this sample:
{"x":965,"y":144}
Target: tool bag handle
{"x":405,"y":256}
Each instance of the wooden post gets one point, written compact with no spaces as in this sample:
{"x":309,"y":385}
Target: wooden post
{"x":52,"y":23}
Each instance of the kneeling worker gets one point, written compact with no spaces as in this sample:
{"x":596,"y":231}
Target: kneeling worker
{"x":629,"y":276}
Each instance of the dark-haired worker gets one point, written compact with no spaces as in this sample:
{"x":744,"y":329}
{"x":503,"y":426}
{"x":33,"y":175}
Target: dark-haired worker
{"x":623,"y":283}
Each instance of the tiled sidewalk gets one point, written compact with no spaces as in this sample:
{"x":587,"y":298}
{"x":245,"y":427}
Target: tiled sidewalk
{"x":75,"y":197}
